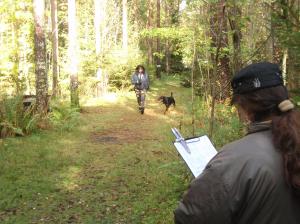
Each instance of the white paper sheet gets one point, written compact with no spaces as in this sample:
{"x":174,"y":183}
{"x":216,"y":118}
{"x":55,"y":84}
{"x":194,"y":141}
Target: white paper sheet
{"x":202,"y":151}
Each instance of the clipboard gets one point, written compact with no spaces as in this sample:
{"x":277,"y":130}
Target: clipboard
{"x":200,"y":152}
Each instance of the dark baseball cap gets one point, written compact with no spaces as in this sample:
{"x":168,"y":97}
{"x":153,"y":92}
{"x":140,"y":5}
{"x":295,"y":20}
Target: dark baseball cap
{"x":256,"y":76}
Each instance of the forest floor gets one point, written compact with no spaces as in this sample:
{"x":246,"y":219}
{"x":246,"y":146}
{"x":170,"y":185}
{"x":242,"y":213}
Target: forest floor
{"x":117,"y":166}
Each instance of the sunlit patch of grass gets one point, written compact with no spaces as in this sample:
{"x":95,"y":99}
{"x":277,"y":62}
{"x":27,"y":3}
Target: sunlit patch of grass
{"x":120,"y":97}
{"x":70,"y":178}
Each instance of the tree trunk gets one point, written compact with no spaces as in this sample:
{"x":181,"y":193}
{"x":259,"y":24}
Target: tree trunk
{"x":167,"y":44}
{"x":54,"y":47}
{"x":97,"y":24}
{"x":73,"y":63}
{"x":149,"y":39}
{"x":220,"y":63}
{"x":124,"y":25}
{"x":40,"y":57}
{"x":98,"y":37}
{"x":16,"y":56}
{"x":219,"y":38}
{"x":193,"y":85}
{"x":168,"y":57}
{"x":270,"y":45}
{"x":284,"y":65}
{"x":158,"y":63}
{"x":234,"y":18}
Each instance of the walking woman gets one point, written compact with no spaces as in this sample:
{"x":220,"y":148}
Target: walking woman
{"x":140,"y":80}
{"x":255,"y":180}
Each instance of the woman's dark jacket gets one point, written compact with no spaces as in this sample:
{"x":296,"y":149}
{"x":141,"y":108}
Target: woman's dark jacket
{"x":243,"y":184}
{"x":140,"y":82}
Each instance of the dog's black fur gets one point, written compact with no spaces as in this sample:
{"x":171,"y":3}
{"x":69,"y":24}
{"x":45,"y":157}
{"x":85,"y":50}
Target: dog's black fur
{"x":167,"y":101}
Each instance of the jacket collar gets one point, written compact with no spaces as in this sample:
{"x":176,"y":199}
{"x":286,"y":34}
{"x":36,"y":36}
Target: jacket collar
{"x":259,"y":126}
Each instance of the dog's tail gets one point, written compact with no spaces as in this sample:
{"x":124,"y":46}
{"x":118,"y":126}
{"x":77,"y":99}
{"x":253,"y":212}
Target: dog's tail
{"x":171,"y":94}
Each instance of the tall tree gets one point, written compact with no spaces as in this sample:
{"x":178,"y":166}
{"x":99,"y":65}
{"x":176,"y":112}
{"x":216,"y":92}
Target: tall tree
{"x":234,"y":17}
{"x":16,"y":51}
{"x":170,"y":18}
{"x":149,"y":26}
{"x":98,"y":20}
{"x":97,"y":24}
{"x":158,"y":63}
{"x":40,"y":57}
{"x":167,"y":44}
{"x":73,"y":61}
{"x":219,"y":37}
{"x":270,"y":41}
{"x":220,"y":61}
{"x":54,"y":47}
{"x":124,"y":25}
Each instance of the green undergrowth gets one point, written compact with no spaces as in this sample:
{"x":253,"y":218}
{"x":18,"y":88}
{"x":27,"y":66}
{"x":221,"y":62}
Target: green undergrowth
{"x":114,"y":166}
{"x":14,"y":119}
{"x":63,"y":117}
{"x":19,"y":120}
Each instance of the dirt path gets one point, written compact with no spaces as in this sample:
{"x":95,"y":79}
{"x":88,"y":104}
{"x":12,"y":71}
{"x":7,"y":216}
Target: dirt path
{"x":138,"y":161}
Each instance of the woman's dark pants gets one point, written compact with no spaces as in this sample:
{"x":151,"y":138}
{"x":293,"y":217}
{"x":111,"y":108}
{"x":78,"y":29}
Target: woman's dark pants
{"x":141,"y":96}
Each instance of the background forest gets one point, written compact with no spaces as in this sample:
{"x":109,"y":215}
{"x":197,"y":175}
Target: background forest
{"x":82,"y":49}
{"x":65,"y":69}
{"x":88,"y":48}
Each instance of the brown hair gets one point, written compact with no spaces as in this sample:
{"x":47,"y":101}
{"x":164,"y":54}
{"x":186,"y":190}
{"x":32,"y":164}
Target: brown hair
{"x":263,"y":104}
{"x":138,"y":68}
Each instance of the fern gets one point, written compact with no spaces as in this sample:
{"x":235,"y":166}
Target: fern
{"x":14,"y":119}
{"x":64,"y":117}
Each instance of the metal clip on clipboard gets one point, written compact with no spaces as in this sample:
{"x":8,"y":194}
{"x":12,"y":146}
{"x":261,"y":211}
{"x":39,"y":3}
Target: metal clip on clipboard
{"x":181,"y":140}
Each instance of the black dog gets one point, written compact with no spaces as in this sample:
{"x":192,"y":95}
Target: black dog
{"x":167,"y":101}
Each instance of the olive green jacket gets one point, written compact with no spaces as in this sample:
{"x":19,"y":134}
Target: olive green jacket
{"x":243,"y":184}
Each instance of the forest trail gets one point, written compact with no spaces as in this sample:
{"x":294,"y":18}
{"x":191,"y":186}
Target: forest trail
{"x":118,"y":166}
{"x":123,"y":124}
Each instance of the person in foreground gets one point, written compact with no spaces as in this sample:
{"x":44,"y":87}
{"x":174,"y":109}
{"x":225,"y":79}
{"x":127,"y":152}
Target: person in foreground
{"x":140,"y":80}
{"x":257,"y":178}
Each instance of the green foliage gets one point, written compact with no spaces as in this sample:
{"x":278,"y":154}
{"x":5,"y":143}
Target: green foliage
{"x":88,"y":86}
{"x":16,"y":67}
{"x":167,"y":33}
{"x":64,"y":117}
{"x":287,"y":25}
{"x":15,"y":120}
{"x":120,"y":66}
{"x":227,"y":126}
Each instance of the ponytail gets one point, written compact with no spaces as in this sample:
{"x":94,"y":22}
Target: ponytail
{"x":273,"y":102}
{"x":286,"y":138}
